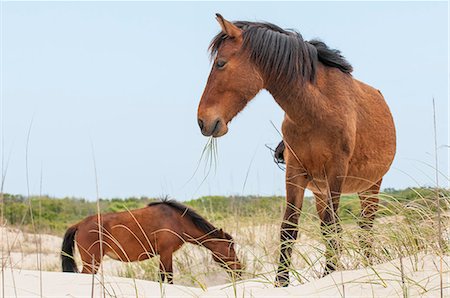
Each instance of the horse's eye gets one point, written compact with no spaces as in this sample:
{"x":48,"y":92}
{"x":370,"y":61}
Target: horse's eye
{"x":220,"y":63}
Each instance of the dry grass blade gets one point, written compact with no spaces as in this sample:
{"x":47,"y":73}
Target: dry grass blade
{"x":99,"y":222}
{"x":36,"y":233}
{"x":438,"y":202}
{"x":210,"y":157}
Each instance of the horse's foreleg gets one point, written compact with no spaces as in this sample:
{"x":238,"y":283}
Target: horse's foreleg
{"x":295,"y":189}
{"x":369,"y":206}
{"x":165,"y":267}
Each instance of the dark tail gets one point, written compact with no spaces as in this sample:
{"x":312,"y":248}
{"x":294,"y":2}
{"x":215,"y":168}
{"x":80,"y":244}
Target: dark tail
{"x":279,"y":153}
{"x":67,"y":260}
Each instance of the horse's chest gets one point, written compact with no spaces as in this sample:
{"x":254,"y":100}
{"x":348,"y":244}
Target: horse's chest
{"x":307,"y":151}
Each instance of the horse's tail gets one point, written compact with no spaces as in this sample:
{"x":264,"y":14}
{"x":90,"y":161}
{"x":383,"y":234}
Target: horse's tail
{"x":67,"y":260}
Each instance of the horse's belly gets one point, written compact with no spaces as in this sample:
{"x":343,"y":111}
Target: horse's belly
{"x":317,"y":186}
{"x":129,"y":255}
{"x":127,"y":248}
{"x":364,"y":170}
{"x":366,"y":167}
{"x":371,"y":155}
{"x":356,"y":181}
{"x":360,"y":178}
{"x":370,"y":161}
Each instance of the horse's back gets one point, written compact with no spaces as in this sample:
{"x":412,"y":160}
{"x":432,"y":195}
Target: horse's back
{"x":132,"y":235}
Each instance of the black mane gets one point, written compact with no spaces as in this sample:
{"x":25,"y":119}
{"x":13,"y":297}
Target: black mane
{"x":331,"y":57}
{"x":282,"y":55}
{"x":199,"y":221}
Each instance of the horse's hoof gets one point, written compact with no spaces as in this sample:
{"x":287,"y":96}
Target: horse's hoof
{"x":329,"y":268}
{"x":281,"y":281}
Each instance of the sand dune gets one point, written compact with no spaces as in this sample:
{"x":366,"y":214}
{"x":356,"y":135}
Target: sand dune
{"x":21,"y":276}
{"x":421,"y":280}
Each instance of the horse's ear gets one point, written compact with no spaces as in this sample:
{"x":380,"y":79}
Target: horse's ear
{"x":222,"y":233}
{"x":228,"y":28}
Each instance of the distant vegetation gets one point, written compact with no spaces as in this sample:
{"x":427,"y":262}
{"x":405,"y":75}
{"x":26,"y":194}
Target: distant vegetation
{"x":54,"y":215}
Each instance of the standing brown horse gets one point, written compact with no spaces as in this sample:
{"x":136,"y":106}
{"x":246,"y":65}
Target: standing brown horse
{"x":338,"y":131}
{"x":160,"y":228}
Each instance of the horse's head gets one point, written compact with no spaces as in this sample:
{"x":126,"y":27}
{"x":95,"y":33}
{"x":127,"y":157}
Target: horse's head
{"x":233,"y":81}
{"x":223,"y":252}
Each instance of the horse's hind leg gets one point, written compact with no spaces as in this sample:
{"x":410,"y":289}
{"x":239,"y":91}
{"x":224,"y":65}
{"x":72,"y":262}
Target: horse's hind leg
{"x":165,"y":266}
{"x":91,"y":259}
{"x":327,"y":203}
{"x":369,"y":206}
{"x":330,"y":228}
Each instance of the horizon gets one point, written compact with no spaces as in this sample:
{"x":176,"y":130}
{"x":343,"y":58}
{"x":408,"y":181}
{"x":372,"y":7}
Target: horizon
{"x":116,"y":86}
{"x":143,"y":197}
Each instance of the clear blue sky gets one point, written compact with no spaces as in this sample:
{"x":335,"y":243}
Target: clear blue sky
{"x":128,"y":77}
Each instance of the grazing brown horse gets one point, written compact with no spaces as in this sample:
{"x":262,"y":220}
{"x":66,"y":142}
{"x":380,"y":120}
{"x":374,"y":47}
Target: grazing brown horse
{"x":160,"y":228}
{"x":338,"y":132}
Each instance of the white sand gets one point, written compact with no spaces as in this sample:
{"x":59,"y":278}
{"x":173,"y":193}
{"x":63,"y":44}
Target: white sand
{"x":22,"y":278}
{"x":423,"y":282}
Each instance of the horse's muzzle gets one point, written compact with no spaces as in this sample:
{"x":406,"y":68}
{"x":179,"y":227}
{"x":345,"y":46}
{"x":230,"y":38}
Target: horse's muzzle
{"x":215,"y":128}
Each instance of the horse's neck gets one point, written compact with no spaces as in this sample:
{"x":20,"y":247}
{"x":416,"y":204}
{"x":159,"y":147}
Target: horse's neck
{"x":307,"y":102}
{"x":208,"y":243}
{"x":196,"y":236}
{"x":202,"y":240}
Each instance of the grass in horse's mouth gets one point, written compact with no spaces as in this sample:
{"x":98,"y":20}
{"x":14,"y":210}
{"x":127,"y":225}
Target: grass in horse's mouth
{"x":209,"y":154}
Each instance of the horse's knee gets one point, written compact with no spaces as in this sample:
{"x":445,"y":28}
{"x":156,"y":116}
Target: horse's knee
{"x":288,"y":233}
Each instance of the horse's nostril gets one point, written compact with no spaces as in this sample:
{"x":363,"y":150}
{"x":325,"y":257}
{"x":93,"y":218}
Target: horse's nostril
{"x":216,"y":126}
{"x":200,"y":123}
{"x":210,"y":128}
